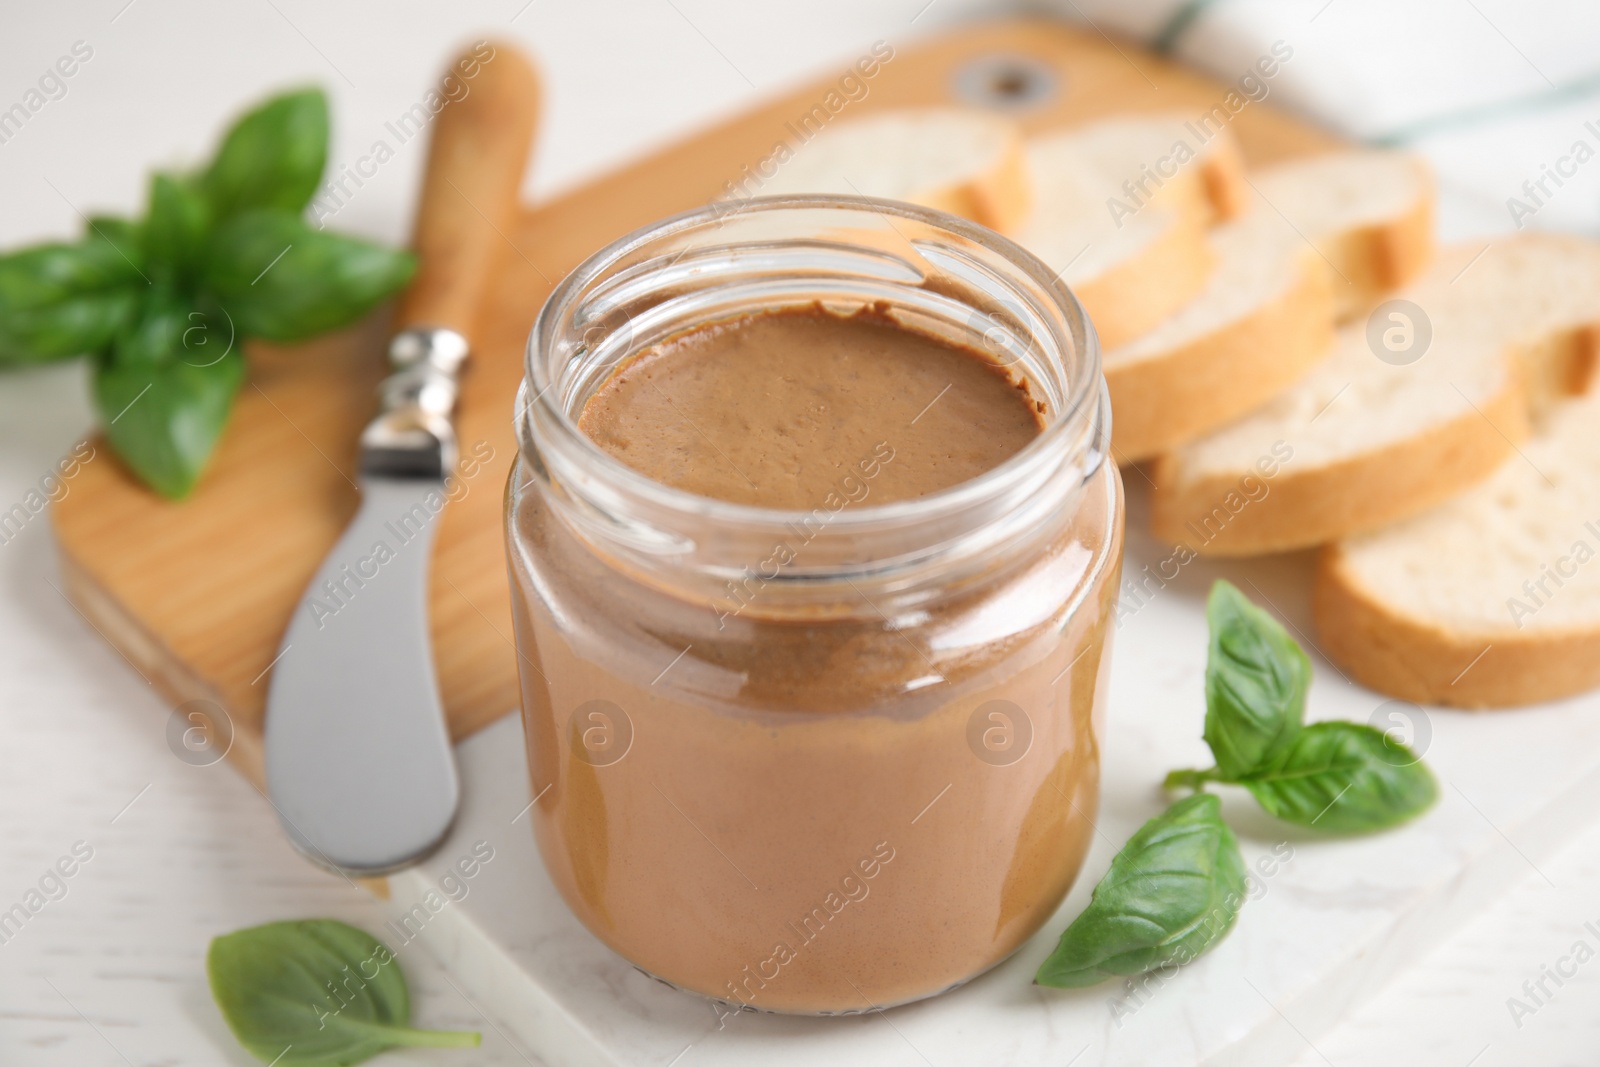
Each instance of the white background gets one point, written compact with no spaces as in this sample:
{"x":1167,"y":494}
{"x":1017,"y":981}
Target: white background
{"x":113,"y":972}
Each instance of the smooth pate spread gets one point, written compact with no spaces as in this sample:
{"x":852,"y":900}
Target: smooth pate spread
{"x":772,"y":408}
{"x":813,"y":815}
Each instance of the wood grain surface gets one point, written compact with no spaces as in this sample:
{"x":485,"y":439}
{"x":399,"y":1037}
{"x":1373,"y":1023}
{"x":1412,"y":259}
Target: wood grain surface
{"x":197,"y":594}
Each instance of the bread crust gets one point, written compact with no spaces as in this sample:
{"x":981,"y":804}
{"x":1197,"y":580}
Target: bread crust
{"x":998,"y":197}
{"x":1222,"y":176}
{"x":1362,"y":492}
{"x":1163,"y":401}
{"x":1422,"y":661}
{"x":1373,"y":261}
{"x":1213,"y":187}
{"x":1122,"y":303}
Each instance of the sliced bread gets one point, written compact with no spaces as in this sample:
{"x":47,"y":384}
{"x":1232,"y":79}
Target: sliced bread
{"x":1389,"y":426}
{"x":1266,"y":316}
{"x":960,"y":160}
{"x":1489,"y":600}
{"x":1121,"y":213}
{"x":1262,"y":321}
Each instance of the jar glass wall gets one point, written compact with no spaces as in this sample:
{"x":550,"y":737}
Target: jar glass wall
{"x":814,"y":761}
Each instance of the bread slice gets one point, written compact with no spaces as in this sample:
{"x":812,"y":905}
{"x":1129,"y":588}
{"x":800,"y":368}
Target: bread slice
{"x":1152,"y":160}
{"x":1369,"y":215}
{"x":1266,"y":316}
{"x":1489,"y":600}
{"x":1361,"y":441}
{"x":1120,"y":209}
{"x":960,"y":160}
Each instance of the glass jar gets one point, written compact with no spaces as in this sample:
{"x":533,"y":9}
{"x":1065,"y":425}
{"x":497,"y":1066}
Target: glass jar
{"x":814,"y":762}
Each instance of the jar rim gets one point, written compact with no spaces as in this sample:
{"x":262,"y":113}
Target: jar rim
{"x":547,"y":421}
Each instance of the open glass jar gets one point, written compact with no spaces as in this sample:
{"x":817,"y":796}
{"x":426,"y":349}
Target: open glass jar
{"x":824,"y":761}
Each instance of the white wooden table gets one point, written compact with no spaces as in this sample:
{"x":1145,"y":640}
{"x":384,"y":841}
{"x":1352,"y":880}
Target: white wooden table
{"x":112,"y":971}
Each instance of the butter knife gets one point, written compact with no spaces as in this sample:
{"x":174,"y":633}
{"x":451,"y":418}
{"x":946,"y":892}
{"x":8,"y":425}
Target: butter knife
{"x":358,"y":758}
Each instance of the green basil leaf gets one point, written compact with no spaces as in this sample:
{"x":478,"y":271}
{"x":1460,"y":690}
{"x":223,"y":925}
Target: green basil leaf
{"x":43,"y":274}
{"x":315,"y":993}
{"x":176,"y":228}
{"x":164,"y":401}
{"x":70,"y":327}
{"x":1173,"y":891}
{"x":1256,"y":681}
{"x":273,"y":156}
{"x":1345,"y":777}
{"x":64,"y":299}
{"x":285,"y":281}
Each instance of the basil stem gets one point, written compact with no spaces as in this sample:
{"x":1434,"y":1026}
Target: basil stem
{"x":1190,"y":779}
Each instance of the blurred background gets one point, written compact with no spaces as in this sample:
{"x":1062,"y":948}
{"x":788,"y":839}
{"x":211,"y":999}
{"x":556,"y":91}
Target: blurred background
{"x":1497,"y":93}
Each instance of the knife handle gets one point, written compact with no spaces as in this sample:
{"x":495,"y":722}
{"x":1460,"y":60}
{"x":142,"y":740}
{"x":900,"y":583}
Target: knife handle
{"x":469,"y":197}
{"x":476,"y":159}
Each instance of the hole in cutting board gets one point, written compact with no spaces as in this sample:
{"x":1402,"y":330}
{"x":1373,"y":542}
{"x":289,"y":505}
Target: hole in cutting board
{"x":1005,"y":82}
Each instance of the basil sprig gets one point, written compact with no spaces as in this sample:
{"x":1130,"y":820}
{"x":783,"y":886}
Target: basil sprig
{"x":163,"y":305}
{"x":316,"y":993}
{"x":1177,"y":886}
{"x":1338,"y":776}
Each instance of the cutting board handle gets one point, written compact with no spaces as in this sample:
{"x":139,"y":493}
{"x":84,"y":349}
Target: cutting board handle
{"x":476,"y":158}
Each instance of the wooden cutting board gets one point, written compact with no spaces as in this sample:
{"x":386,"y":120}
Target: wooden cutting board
{"x":197,"y":594}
